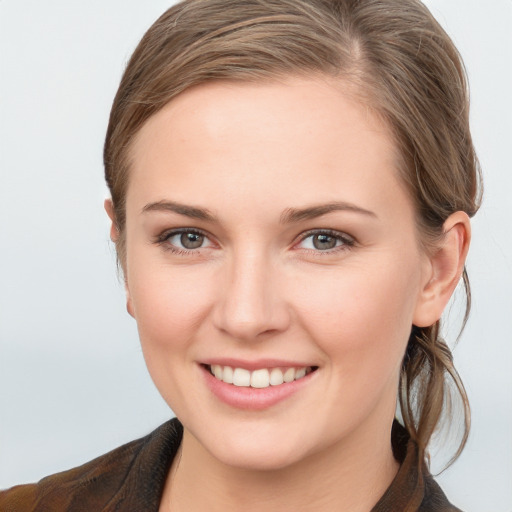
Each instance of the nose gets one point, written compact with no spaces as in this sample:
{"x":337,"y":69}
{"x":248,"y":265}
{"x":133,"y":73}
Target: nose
{"x":251,"y":304}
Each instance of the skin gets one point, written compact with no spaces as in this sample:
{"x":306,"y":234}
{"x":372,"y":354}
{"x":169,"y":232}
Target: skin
{"x":258,"y":288}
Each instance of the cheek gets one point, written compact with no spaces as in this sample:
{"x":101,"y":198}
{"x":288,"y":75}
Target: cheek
{"x":169,"y":306}
{"x":169,"y":303}
{"x":361,"y":319}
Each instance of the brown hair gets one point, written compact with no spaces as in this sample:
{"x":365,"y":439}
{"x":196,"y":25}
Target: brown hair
{"x":400,"y":62}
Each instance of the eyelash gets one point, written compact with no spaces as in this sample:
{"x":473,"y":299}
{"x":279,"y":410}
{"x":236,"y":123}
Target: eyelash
{"x":163,"y":240}
{"x":347,"y":242}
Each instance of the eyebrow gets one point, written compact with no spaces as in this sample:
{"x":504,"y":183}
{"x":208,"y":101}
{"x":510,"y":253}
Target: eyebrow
{"x":289,"y":215}
{"x":183,"y":209}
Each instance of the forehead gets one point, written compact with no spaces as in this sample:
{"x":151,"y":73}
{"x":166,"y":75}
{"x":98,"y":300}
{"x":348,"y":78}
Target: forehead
{"x":296,"y":139}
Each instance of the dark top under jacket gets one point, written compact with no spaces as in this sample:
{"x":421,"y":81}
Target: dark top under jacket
{"x":131,"y":478}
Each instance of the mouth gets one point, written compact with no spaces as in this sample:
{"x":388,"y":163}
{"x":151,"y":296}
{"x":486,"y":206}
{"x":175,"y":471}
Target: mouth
{"x":260,"y":378}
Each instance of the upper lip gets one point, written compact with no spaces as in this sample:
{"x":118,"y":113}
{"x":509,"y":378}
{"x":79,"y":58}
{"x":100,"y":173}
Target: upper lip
{"x":255,"y":364}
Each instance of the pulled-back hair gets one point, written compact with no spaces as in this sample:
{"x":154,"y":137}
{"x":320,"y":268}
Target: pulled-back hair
{"x":395,"y":58}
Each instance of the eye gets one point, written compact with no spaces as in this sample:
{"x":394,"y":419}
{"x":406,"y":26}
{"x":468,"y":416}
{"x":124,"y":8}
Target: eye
{"x":325,"y":241}
{"x":184,"y":240}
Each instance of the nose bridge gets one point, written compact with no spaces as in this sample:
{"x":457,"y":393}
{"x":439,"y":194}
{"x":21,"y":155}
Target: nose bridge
{"x":251,"y":303}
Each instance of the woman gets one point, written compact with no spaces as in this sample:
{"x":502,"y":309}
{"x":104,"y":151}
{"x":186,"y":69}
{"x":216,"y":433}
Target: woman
{"x":291,"y":190}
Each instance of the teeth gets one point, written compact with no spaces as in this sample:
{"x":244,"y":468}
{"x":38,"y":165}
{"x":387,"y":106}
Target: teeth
{"x":227,"y":375}
{"x":289,"y":375}
{"x":262,"y":378}
{"x":217,"y":371}
{"x":301,"y":372}
{"x":276,"y":377}
{"x":241,"y":377}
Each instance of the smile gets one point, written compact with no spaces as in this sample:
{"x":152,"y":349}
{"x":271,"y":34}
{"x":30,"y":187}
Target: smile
{"x":261,"y":378}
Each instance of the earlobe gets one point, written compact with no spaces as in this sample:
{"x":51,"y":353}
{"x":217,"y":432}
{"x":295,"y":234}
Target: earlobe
{"x":109,"y":208}
{"x":446,"y":268}
{"x":129,"y":304}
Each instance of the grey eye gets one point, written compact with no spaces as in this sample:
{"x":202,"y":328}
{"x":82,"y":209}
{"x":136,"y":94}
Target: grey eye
{"x":191,"y":240}
{"x":187,"y":240}
{"x":323,"y":242}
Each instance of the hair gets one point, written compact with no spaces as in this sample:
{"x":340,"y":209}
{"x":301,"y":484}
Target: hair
{"x":400,"y":63}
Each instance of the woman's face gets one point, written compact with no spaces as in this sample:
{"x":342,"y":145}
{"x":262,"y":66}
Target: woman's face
{"x":268,"y":236}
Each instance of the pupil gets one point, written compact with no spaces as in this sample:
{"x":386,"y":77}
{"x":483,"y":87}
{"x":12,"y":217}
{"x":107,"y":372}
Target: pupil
{"x":324,"y":242}
{"x":191,"y":240}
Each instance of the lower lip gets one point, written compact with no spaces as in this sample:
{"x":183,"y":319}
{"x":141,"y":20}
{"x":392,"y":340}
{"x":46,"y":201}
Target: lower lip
{"x":255,"y":399}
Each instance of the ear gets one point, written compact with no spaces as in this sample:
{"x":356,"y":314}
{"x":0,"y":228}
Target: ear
{"x":114,"y":236}
{"x":109,"y":208}
{"x":445,"y":270}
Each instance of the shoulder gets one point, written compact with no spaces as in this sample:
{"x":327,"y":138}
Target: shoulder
{"x":434,"y":499}
{"x":413,"y":488}
{"x":134,"y":471}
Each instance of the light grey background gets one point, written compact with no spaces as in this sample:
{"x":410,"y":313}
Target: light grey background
{"x":73,"y":383}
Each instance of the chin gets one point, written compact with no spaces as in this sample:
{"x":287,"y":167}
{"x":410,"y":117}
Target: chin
{"x":257,"y":458}
{"x":254,"y":447}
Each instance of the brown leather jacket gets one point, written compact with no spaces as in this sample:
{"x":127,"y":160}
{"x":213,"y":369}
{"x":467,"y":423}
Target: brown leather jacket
{"x":131,"y":479}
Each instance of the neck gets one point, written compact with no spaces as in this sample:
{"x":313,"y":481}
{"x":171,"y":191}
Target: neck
{"x":350,"y":476}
